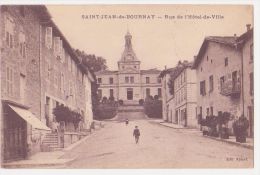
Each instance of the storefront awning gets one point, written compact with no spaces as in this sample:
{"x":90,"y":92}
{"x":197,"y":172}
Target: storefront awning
{"x":30,"y":118}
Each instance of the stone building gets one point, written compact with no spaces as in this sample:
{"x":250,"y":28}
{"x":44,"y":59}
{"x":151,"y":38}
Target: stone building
{"x":167,"y":97}
{"x":221,"y":76}
{"x":179,"y":106}
{"x":129,"y":83}
{"x":185,"y":96}
{"x":33,"y":77}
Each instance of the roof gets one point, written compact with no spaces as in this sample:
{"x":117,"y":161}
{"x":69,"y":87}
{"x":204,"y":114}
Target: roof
{"x":150,"y":71}
{"x":108,"y":72}
{"x":47,"y":20}
{"x":180,"y":67}
{"x":166,"y":71}
{"x":232,"y":41}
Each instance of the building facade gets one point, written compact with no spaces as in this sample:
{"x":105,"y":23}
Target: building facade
{"x":179,"y":99}
{"x":185,"y":98}
{"x":35,"y":76}
{"x":129,"y":83}
{"x":221,"y":77}
{"x":168,"y":104}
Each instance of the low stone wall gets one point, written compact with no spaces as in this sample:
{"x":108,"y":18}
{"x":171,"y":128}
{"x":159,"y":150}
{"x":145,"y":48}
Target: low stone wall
{"x":72,"y":137}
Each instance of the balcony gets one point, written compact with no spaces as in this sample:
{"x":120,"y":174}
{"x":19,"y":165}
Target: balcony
{"x":230,"y":88}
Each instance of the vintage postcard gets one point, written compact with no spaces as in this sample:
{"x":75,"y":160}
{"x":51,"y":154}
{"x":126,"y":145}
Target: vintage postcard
{"x":130,"y":86}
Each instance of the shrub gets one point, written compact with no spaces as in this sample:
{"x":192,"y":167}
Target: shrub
{"x":121,"y":102}
{"x":65,"y":114}
{"x":240,"y":127}
{"x":106,"y":111}
{"x":141,"y":102}
{"x":153,"y":107}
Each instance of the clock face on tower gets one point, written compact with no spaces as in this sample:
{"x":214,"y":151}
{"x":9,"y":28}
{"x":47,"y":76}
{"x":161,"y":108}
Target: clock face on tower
{"x":129,"y":57}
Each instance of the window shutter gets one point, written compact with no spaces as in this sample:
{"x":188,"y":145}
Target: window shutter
{"x":56,"y":45}
{"x":48,"y":37}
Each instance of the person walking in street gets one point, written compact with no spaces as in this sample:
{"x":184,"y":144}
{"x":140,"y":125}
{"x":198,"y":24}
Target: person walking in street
{"x":126,"y":122}
{"x":136,"y":134}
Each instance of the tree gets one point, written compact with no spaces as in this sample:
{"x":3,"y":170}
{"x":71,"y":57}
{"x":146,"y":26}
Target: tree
{"x":93,"y":62}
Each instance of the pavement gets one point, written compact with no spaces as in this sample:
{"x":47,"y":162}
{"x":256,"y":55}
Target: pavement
{"x":162,"y":145}
{"x":232,"y":140}
{"x":51,"y":159}
{"x":159,"y":147}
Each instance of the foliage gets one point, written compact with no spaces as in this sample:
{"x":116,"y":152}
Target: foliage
{"x":141,"y":102}
{"x":93,"y":62}
{"x":121,"y":102}
{"x":106,"y":110}
{"x":153,"y":107}
{"x":240,"y":126}
{"x":65,"y":114}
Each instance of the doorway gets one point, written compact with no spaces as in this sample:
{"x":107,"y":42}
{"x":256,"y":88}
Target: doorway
{"x":129,"y":93}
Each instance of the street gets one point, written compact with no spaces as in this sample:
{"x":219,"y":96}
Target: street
{"x":159,"y":147}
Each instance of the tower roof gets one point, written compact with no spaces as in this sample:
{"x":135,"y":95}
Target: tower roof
{"x":128,"y":54}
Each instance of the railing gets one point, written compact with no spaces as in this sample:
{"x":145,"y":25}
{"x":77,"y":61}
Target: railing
{"x":230,"y":88}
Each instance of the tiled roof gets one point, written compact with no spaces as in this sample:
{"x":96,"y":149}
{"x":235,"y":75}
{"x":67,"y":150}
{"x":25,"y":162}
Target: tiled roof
{"x":232,"y":41}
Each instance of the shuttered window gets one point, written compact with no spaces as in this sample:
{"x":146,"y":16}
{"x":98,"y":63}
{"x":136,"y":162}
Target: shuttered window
{"x":48,"y":37}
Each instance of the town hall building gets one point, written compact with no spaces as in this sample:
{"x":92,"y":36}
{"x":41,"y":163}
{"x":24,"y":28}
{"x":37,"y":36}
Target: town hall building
{"x":129,"y":82}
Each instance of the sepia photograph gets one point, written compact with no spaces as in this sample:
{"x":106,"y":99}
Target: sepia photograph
{"x":127,"y":86}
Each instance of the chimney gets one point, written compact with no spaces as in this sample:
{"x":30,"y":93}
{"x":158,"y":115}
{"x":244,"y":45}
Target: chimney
{"x":248,"y":26}
{"x":235,"y":36}
{"x":165,"y":67}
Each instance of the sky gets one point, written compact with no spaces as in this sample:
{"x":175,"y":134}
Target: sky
{"x":158,"y":41}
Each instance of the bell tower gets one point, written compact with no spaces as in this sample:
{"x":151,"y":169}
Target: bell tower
{"x":128,"y":61}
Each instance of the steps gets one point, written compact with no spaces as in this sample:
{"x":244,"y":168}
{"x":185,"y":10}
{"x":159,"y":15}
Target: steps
{"x":130,"y":108}
{"x":51,"y":140}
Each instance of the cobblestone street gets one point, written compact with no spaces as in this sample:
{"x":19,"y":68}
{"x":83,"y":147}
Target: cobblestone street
{"x":159,"y":147}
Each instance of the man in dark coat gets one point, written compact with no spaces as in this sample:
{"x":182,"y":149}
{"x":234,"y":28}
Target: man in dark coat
{"x":136,"y":134}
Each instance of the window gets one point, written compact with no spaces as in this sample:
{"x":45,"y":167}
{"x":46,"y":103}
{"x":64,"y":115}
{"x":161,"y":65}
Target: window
{"x":159,"y":92}
{"x":201,"y":69}
{"x":207,"y":58}
{"x":132,"y":79}
{"x":159,"y":80}
{"x":111,"y":93}
{"x":126,"y":79}
{"x":48,"y":69}
{"x":251,"y":77}
{"x":99,"y":80}
{"x":147,"y":80}
{"x":56,"y":44}
{"x":9,"y":32}
{"x":48,"y":37}
{"x":111,"y":80}
{"x":147,"y":92}
{"x":251,"y":52}
{"x":22,"y":44}
{"x":222,"y":81}
{"x":226,"y":61}
{"x":99,"y":93}
{"x":62,"y":83}
{"x":211,"y":83}
{"x":22,"y":87}
{"x":203,"y":88}
{"x":211,"y":110}
{"x":9,"y":81}
{"x":207,"y":111}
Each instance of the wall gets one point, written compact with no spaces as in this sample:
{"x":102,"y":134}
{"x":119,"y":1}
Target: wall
{"x":27,"y":67}
{"x":248,"y":66}
{"x":217,"y":53}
